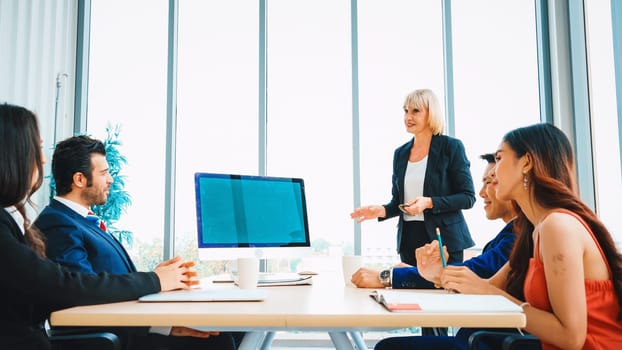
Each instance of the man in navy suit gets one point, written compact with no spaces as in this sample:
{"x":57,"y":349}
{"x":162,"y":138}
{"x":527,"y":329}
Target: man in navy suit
{"x":494,"y":255}
{"x":75,"y":238}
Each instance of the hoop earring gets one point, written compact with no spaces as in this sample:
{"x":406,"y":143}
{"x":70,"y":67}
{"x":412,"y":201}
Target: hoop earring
{"x":525,"y":181}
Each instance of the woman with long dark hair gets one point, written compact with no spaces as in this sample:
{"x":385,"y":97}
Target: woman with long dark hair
{"x":30,"y":285}
{"x":564,"y":270}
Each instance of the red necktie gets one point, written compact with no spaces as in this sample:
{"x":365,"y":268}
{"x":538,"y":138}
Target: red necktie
{"x":92,"y":217}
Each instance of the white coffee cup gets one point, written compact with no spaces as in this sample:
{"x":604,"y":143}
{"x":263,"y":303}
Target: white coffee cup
{"x":350,"y":263}
{"x":248,"y":273}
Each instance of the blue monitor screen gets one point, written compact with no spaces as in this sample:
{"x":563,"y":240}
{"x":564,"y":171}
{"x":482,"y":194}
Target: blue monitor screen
{"x":250,"y":211}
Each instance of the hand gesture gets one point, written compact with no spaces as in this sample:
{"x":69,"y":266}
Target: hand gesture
{"x":429,"y":262}
{"x":190,"y":332}
{"x":417,"y":205}
{"x":176,"y":274}
{"x":368,"y":212}
{"x":463,"y":280}
{"x":367,"y":278}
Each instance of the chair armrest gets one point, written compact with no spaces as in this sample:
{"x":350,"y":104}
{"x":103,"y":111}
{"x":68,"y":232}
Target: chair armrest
{"x":94,"y":341}
{"x":515,"y":341}
{"x":508,"y":340}
{"x":482,"y":335}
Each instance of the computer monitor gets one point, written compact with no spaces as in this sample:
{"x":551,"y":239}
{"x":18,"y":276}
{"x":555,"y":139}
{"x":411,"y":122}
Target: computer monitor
{"x":251,"y":216}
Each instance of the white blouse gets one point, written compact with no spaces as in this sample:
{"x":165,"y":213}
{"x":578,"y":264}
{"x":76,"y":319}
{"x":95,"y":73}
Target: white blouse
{"x":413,"y":184}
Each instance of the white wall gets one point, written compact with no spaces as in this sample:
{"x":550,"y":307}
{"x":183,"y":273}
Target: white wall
{"x":37,"y":45}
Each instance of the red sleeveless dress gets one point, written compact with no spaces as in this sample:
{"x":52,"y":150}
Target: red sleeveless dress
{"x":604,"y":331}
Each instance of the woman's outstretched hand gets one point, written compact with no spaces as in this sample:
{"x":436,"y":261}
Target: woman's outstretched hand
{"x":368,"y":212}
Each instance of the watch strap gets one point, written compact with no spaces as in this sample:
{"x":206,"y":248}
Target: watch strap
{"x":386,"y":277}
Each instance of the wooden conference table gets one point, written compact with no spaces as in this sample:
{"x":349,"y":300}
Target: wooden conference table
{"x":327,"y":305}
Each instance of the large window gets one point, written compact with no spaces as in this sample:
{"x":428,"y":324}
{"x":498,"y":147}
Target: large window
{"x":400,"y":50}
{"x":495,"y":87}
{"x":603,"y":112}
{"x":309,"y":114}
{"x":496,"y":84}
{"x":217,"y":123}
{"x":309,"y":85}
{"x":309,"y":96}
{"x":127,"y":88}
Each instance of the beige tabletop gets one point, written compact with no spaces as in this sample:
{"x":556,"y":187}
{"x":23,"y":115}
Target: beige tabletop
{"x":325,"y":305}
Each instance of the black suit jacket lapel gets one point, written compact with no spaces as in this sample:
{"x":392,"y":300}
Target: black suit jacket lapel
{"x":434,"y":161}
{"x":401,"y":164}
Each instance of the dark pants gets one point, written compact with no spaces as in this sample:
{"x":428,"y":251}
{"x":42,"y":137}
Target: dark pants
{"x":137,"y":338}
{"x":416,"y":342}
{"x":28,"y":339}
{"x":162,"y":342}
{"x":413,"y":237}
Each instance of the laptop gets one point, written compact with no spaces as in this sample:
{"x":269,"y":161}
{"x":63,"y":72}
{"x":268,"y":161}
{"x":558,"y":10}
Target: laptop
{"x":267,"y":279}
{"x":205,"y":295}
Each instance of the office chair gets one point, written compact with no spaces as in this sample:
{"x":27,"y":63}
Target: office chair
{"x":85,"y":341}
{"x":510,"y":340}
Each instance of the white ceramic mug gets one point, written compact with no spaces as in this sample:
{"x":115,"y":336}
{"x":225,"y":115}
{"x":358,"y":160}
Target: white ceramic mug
{"x":350,"y":263}
{"x":248,"y":273}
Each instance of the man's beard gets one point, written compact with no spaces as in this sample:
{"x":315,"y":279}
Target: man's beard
{"x":95,"y":198}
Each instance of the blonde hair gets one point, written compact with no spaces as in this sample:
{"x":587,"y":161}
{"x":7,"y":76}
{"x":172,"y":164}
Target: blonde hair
{"x":425,"y":98}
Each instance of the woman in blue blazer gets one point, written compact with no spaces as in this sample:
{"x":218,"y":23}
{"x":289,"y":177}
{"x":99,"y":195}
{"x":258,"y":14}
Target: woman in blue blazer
{"x":431,"y":184}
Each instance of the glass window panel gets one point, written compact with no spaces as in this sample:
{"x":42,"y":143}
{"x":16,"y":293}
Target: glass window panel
{"x":496,"y":84}
{"x":309,"y":111}
{"x":127,"y":87}
{"x":217,"y":120}
{"x":603,"y":112}
{"x":400,"y":50}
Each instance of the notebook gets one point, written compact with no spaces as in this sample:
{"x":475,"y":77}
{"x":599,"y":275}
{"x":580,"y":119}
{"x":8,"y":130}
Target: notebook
{"x":206,"y":295}
{"x":409,"y":301}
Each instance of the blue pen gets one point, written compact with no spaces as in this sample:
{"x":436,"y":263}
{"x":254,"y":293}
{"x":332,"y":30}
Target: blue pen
{"x":440,"y":246}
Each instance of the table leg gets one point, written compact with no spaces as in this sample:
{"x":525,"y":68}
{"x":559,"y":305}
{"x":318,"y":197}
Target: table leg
{"x":252,"y":340}
{"x":267,"y":340}
{"x":357,"y":338}
{"x":341,"y":340}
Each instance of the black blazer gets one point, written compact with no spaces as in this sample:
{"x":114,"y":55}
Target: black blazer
{"x":447,"y":181}
{"x":31,"y":287}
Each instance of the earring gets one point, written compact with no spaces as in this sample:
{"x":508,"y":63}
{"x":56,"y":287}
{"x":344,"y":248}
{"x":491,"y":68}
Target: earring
{"x":525,"y":181}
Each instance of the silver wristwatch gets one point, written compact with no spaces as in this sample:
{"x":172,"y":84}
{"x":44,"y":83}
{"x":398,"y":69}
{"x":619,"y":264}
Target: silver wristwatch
{"x":385,"y":277}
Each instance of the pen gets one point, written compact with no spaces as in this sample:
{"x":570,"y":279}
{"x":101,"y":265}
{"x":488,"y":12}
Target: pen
{"x":440,"y":246}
